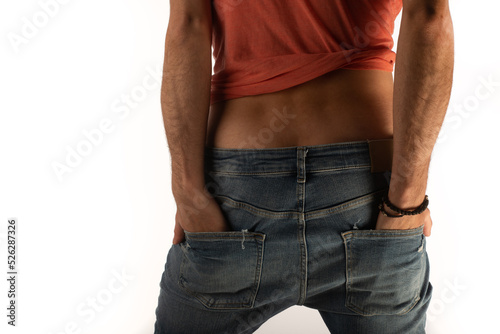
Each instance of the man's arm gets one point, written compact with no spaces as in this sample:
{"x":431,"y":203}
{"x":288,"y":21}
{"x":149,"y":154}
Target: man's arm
{"x":422,"y":86}
{"x":185,"y":101}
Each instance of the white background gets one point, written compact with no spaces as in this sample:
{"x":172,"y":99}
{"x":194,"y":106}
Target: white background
{"x":112,"y":212}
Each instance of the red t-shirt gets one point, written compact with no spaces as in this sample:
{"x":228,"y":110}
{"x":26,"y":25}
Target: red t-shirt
{"x":263,"y":46}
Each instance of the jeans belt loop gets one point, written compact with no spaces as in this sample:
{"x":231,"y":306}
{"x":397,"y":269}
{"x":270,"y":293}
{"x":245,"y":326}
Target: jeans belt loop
{"x":380,"y":154}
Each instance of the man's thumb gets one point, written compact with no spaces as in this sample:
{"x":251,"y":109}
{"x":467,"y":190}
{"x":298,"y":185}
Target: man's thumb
{"x":178,"y":234}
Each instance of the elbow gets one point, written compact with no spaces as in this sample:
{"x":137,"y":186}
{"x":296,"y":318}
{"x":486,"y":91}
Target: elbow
{"x":426,"y":10}
{"x":187,"y":23}
{"x":188,"y":31}
{"x":190,"y":16}
{"x":430,"y":16}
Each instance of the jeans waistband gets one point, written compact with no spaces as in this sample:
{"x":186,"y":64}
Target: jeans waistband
{"x":376,"y":154}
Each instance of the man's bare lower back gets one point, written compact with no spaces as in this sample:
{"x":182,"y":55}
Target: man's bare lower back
{"x":340,"y":106}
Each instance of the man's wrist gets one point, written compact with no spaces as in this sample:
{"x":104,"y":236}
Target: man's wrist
{"x":406,"y":197}
{"x":187,"y":188}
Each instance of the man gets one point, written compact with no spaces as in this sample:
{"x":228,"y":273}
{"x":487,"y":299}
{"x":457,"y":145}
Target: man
{"x":299,"y":169}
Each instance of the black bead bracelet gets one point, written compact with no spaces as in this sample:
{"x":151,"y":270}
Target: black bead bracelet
{"x":421,"y":208}
{"x":385,"y":213}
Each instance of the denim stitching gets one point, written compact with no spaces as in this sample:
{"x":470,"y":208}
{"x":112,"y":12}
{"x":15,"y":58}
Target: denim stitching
{"x":340,"y":168}
{"x":220,"y":235}
{"x":348,"y":236}
{"x":236,"y":173}
{"x":345,"y":206}
{"x":251,"y":173}
{"x":294,"y":214}
{"x":369,"y":234}
{"x":258,"y":270}
{"x":262,"y":212}
{"x":348,"y":269}
{"x":259,"y":241}
{"x":360,"y":143}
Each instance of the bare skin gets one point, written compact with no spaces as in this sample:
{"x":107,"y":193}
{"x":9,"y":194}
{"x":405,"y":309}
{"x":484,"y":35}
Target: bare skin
{"x":343,"y":105}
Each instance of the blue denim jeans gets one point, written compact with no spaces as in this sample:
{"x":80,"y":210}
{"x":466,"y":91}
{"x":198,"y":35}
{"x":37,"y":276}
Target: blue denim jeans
{"x":302,"y":233}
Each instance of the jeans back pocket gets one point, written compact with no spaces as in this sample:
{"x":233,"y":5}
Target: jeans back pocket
{"x":222,"y":269}
{"x":385,"y":270}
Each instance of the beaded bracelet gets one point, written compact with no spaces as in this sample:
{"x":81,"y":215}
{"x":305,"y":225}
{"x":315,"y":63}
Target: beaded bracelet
{"x":421,"y":208}
{"x":385,"y":213}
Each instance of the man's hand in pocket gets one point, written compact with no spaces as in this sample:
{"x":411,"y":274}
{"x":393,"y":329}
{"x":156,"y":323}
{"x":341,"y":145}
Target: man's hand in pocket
{"x":405,"y":222}
{"x":197,"y":211}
